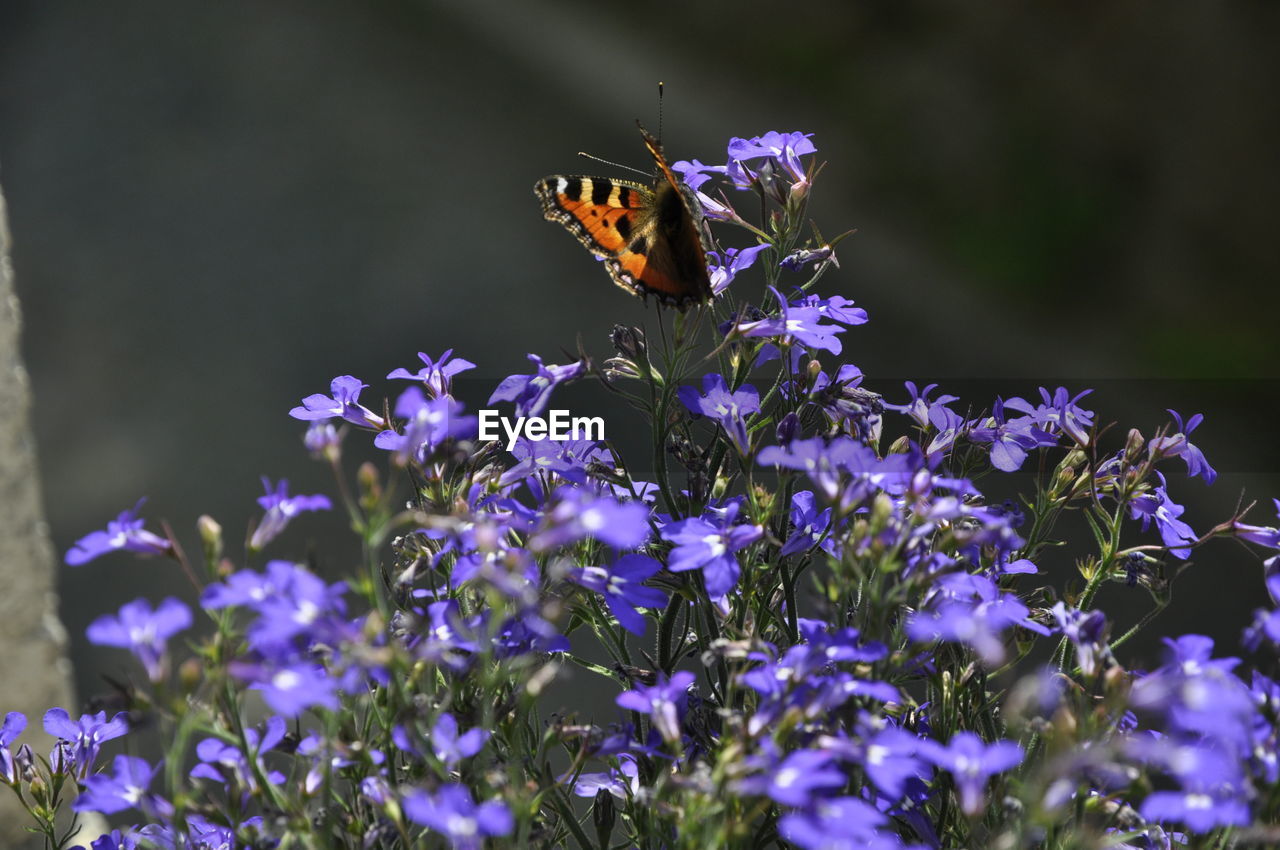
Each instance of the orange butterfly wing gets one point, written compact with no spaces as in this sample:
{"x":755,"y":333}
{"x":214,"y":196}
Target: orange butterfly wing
{"x":650,"y":240}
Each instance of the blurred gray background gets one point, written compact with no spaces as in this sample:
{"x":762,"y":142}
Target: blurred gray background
{"x":217,"y":207}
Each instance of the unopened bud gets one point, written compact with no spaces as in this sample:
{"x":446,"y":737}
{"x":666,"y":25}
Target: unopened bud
{"x":788,"y":428}
{"x":370,"y":486}
{"x":1133,"y":444}
{"x":211,"y":536}
{"x":603,"y":815}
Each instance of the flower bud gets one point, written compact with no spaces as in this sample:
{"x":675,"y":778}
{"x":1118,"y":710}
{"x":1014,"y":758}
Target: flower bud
{"x":370,"y":486}
{"x":1133,"y":444}
{"x":629,"y":342}
{"x":788,"y":428}
{"x":211,"y":536}
{"x":603,"y":815}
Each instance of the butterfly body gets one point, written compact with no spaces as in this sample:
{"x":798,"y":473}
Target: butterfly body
{"x":650,"y":238}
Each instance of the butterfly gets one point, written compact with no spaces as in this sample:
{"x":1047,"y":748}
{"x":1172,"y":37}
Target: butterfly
{"x":651,"y":239}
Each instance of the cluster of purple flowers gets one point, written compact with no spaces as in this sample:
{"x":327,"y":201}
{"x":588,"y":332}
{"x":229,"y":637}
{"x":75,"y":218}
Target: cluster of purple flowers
{"x":810,"y":638}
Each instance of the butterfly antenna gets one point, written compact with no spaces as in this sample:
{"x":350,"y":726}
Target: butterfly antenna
{"x":660,"y":87}
{"x":595,"y":158}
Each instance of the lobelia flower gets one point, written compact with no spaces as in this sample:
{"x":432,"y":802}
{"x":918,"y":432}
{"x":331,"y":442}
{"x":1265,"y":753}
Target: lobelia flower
{"x":343,"y":403}
{"x":435,"y":375}
{"x":809,"y":526}
{"x":1177,"y":444}
{"x":124,"y":532}
{"x":1010,"y":439}
{"x":784,"y":149}
{"x":796,"y":780}
{"x":289,"y":689}
{"x":665,"y":702}
{"x":970,"y":609}
{"x":449,"y":746}
{"x":323,"y":441}
{"x":796,"y":324}
{"x":724,"y":269}
{"x":1058,"y":412}
{"x":621,"y":782}
{"x":428,"y":424}
{"x":126,"y":788}
{"x":530,"y":393}
{"x":1200,"y":812}
{"x":1087,"y":632}
{"x":280,"y":509}
{"x":842,"y":823}
{"x":718,"y":402}
{"x":578,"y":513}
{"x":971,"y":763}
{"x":86,"y":735}
{"x":709,"y":544}
{"x":290,"y":601}
{"x":1260,"y":534}
{"x":225,"y":763}
{"x":142,"y":631}
{"x":452,"y":812}
{"x":567,"y":459}
{"x":919,"y":407}
{"x":1157,"y":507}
{"x":113,"y":840}
{"x":14,"y":723}
{"x":694,"y":175}
{"x":622,"y":585}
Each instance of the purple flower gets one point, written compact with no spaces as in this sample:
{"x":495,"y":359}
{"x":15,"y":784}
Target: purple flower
{"x":343,"y":403}
{"x":578,"y":513}
{"x":530,"y":393}
{"x":290,"y":689}
{"x":971,"y":763}
{"x":1262,"y":535}
{"x":695,"y":174}
{"x":796,"y":324}
{"x":1010,"y":440}
{"x":126,"y":788}
{"x":919,"y":405}
{"x":665,"y":702}
{"x":567,"y":459}
{"x":1200,"y":812}
{"x":1159,"y":508}
{"x":452,"y":812}
{"x":436,"y":376}
{"x":142,"y":631}
{"x":225,"y":763}
{"x":450,"y":747}
{"x":724,"y":270}
{"x":1058,"y":412}
{"x":124,"y":532}
{"x":428,"y":423}
{"x":113,"y":840}
{"x":809,"y":526}
{"x":843,"y":823}
{"x":1178,"y":445}
{"x":86,"y":735}
{"x":970,"y":609}
{"x":783,"y":149}
{"x":281,"y":508}
{"x":621,"y":781}
{"x":622,"y":586}
{"x":796,"y":780}
{"x":14,"y":723}
{"x":727,"y":407}
{"x":1086,"y":632}
{"x":710,"y":545}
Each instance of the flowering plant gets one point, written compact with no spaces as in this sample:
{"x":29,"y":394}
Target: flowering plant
{"x":815,"y":630}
